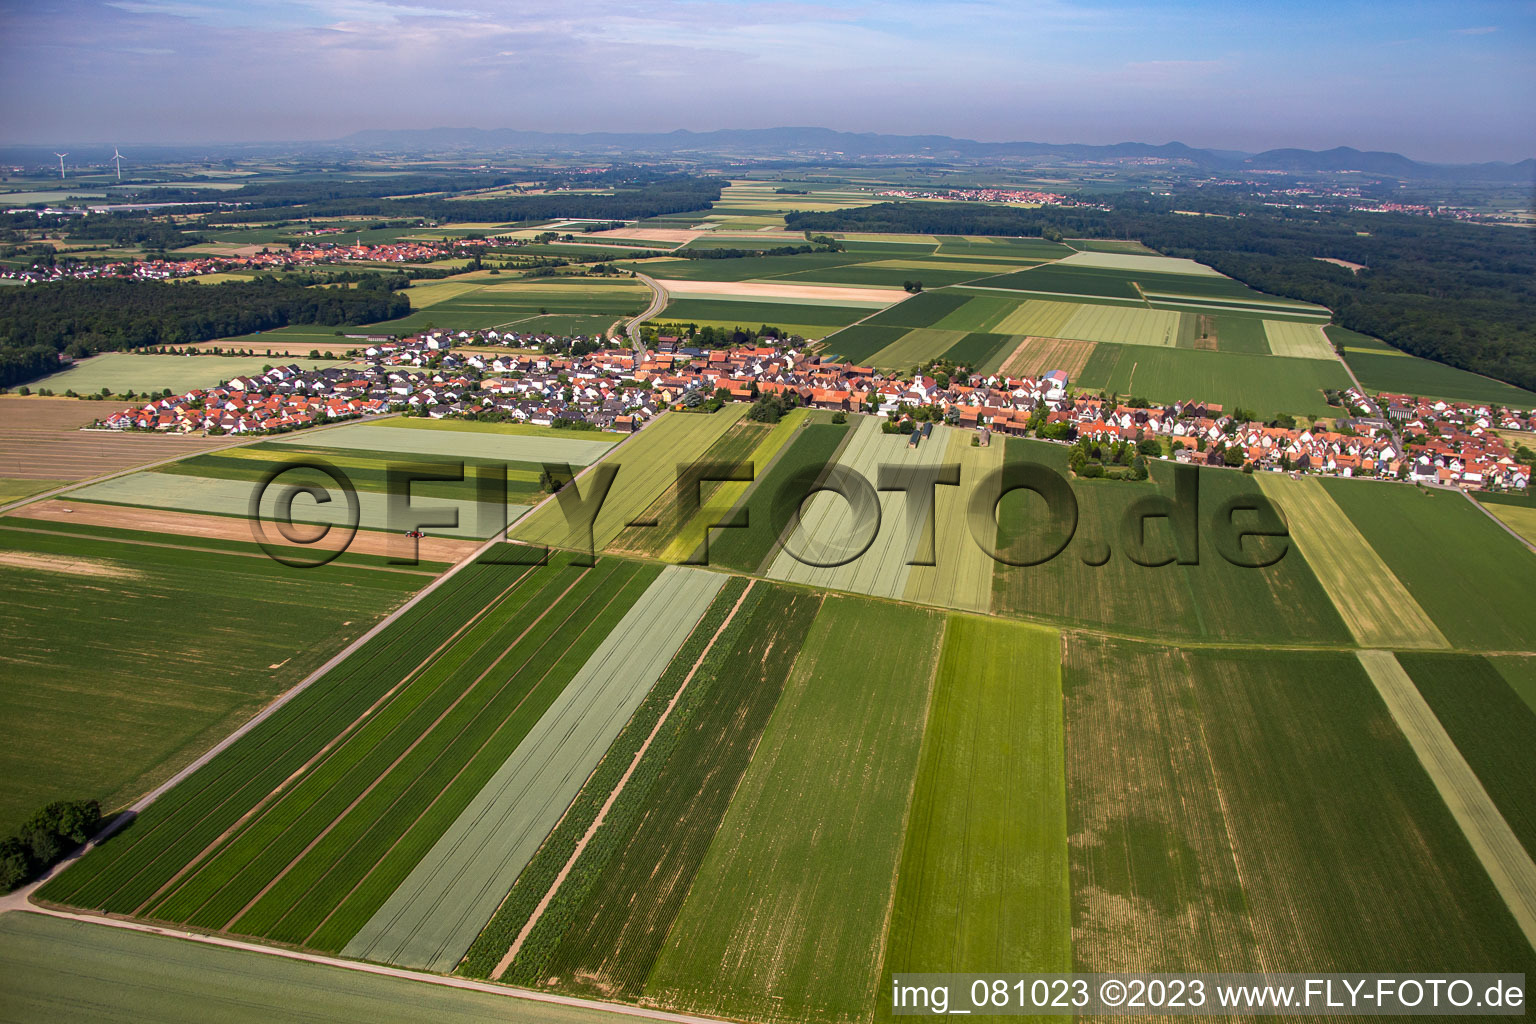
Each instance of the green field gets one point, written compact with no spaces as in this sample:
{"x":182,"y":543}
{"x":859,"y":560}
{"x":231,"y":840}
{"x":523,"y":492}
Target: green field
{"x":916,"y":347}
{"x":124,"y":661}
{"x":1381,"y":367}
{"x":1262,"y":383}
{"x":754,"y":937}
{"x":1476,"y":582}
{"x":857,"y":343}
{"x":1259,"y":810}
{"x":661,"y":831}
{"x":396,"y":675}
{"x":1494,"y":729}
{"x":12,"y":489}
{"x":125,"y":371}
{"x":923,"y":310}
{"x":756,"y":312}
{"x":69,"y":970}
{"x":557,"y":305}
{"x":983,"y":884}
{"x":1212,"y":599}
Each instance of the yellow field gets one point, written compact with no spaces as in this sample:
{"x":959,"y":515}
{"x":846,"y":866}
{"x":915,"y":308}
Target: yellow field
{"x":1125,"y":325}
{"x":1302,"y":341}
{"x":1370,"y":599}
{"x":961,"y":576}
{"x":1517,"y":517}
{"x":1038,"y":317}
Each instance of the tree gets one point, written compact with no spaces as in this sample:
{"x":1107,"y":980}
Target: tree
{"x":1233,"y":456}
{"x":1138,"y":467}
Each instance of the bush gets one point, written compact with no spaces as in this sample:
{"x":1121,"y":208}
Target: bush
{"x":839,"y":417}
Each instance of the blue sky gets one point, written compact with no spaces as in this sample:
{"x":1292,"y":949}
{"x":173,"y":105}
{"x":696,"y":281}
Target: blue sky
{"x":1443,"y":82}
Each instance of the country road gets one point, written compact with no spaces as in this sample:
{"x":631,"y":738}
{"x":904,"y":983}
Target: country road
{"x":658,"y":303}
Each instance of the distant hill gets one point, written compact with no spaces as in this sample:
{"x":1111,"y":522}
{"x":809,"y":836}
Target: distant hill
{"x":802,"y":142}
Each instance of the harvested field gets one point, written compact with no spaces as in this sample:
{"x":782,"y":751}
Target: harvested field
{"x":1373,"y":602}
{"x":40,"y":439}
{"x":753,"y":939}
{"x":1137,"y":262}
{"x":961,"y":576}
{"x":1302,"y":341}
{"x":1036,"y":356}
{"x":647,"y":467}
{"x":132,"y":371}
{"x":983,"y":884}
{"x":188,"y":524}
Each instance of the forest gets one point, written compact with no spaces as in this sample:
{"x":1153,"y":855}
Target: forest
{"x":1461,"y":294}
{"x":80,"y":318}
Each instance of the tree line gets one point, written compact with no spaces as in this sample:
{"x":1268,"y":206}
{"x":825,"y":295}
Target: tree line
{"x":40,"y":322}
{"x":46,"y":838}
{"x":1460,"y":294}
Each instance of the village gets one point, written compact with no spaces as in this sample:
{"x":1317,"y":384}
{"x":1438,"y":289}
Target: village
{"x":310,"y":254}
{"x":532,"y":379}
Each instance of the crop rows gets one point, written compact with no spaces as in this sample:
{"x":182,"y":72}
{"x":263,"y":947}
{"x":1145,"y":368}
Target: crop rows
{"x":613,"y":936}
{"x":387,"y":833}
{"x":124,"y":872}
{"x":744,"y":548}
{"x":535,"y":881}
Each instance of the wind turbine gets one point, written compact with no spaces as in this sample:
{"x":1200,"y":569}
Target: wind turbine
{"x":118,"y":159}
{"x":61,"y":157}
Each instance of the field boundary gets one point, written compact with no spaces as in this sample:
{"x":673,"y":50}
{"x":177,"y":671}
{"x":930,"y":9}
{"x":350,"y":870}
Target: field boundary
{"x":1497,"y":848}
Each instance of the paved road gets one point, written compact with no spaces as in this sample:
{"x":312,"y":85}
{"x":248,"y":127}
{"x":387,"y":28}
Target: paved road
{"x":658,"y":303}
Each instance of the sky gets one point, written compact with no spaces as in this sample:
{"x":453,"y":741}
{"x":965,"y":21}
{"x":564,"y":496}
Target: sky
{"x":1442,"y":82}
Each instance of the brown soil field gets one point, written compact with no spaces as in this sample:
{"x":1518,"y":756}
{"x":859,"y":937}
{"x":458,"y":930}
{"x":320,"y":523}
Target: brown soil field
{"x":41,"y":439}
{"x":191,"y":524}
{"x":1039,"y":355}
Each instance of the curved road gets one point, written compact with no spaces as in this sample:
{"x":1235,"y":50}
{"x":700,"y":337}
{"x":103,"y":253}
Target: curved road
{"x":658,"y":303}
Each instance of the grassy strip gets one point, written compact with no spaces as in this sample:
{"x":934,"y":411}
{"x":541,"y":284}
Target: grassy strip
{"x":535,"y":880}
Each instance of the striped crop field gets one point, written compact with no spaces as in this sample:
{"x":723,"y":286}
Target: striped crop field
{"x":1475,"y":581}
{"x":432,"y":918}
{"x":1302,"y":341}
{"x":983,"y":884}
{"x":1373,"y":602}
{"x":602,"y":937}
{"x":917,"y":346}
{"x":762,"y":513}
{"x":755,"y":938}
{"x":668,"y":511}
{"x":1123,"y":325}
{"x":647,"y":466}
{"x":830,"y":529}
{"x":300,"y":831}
